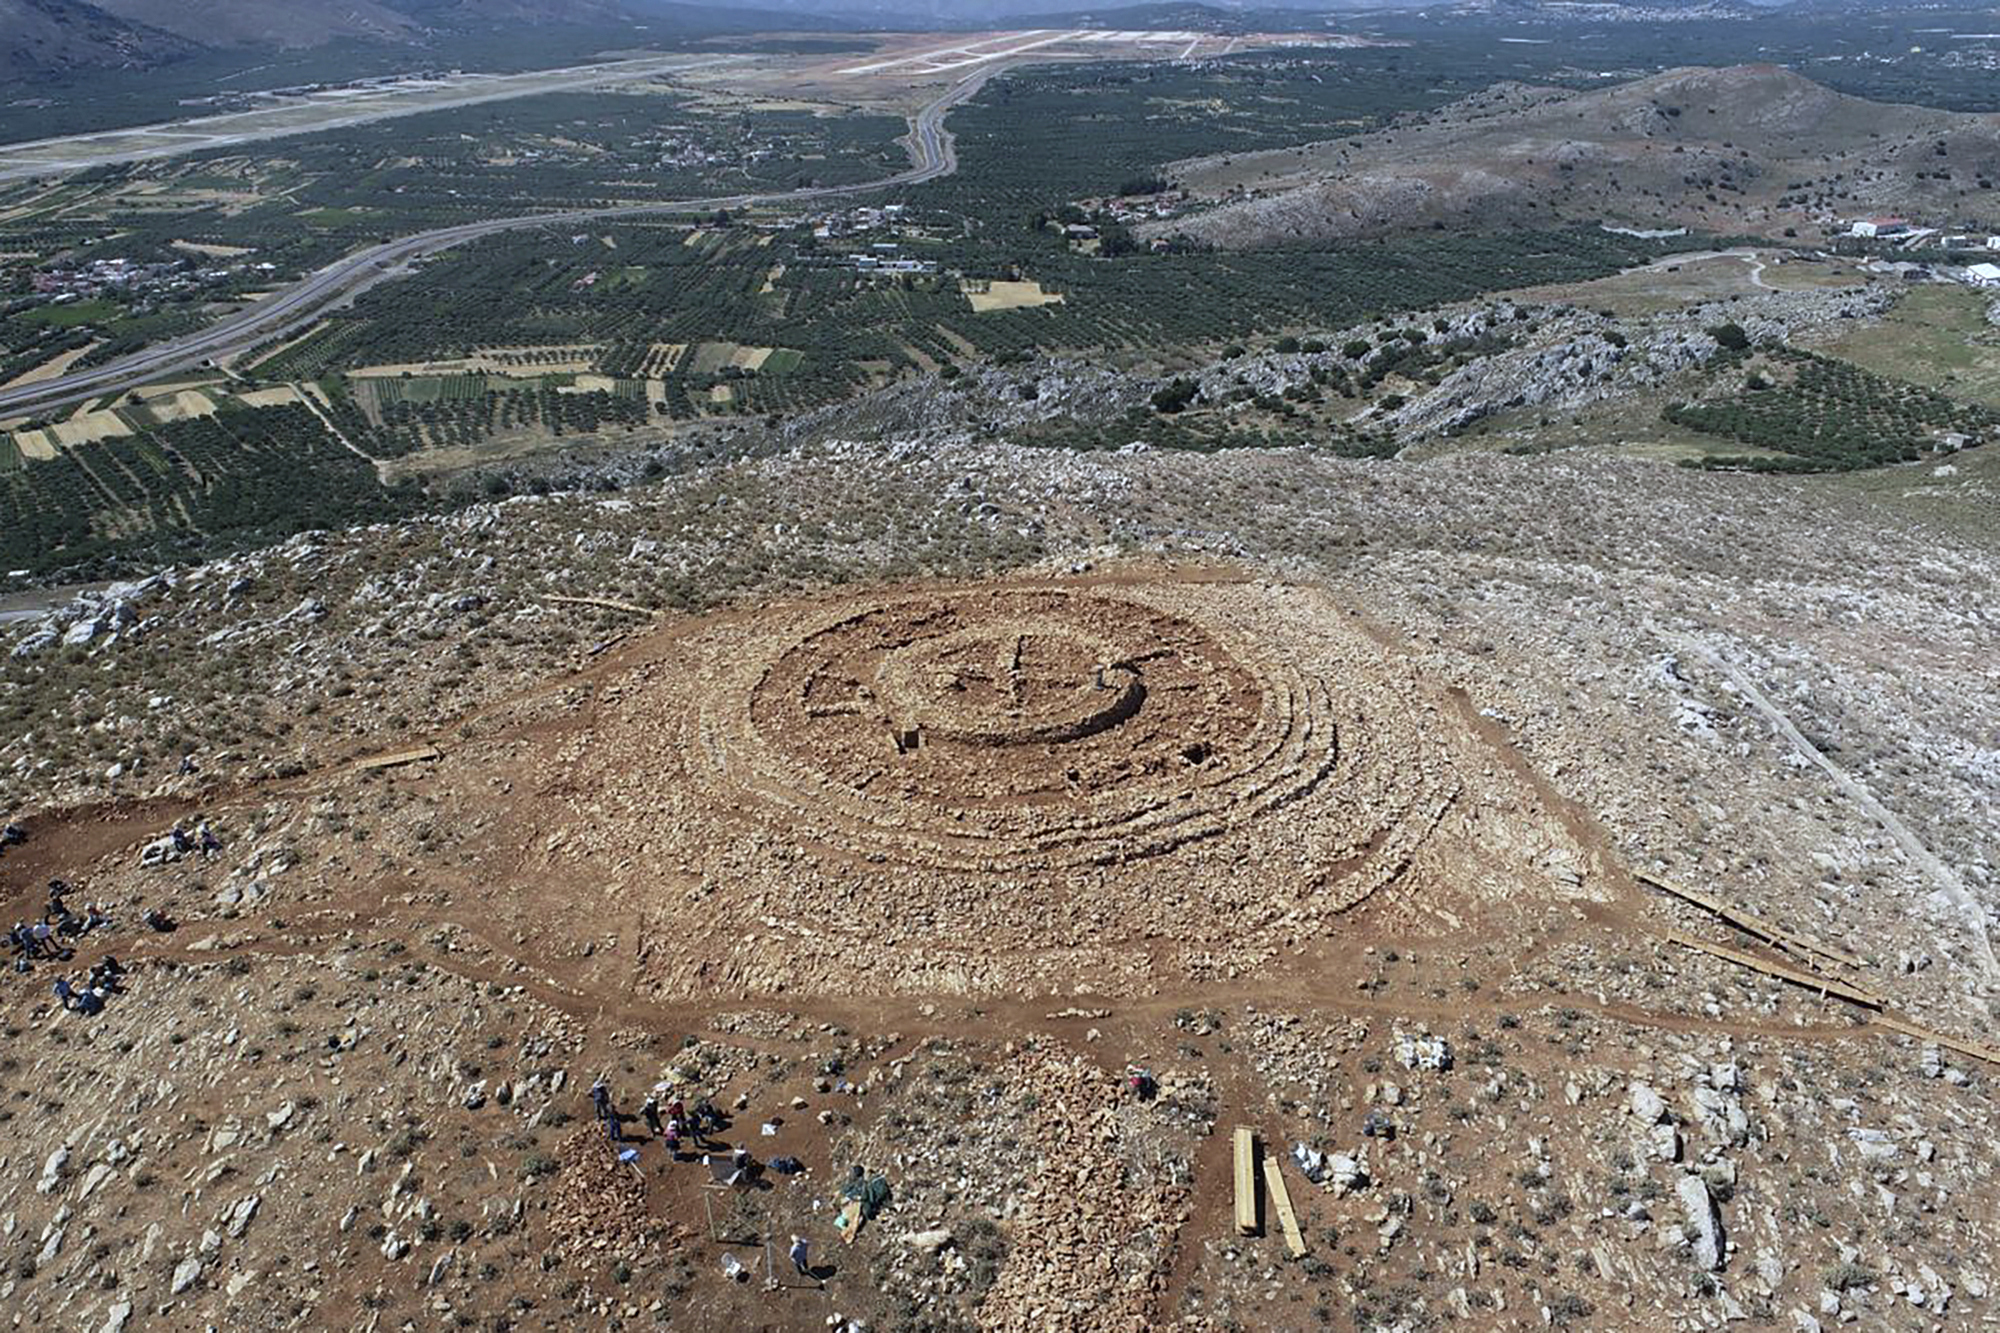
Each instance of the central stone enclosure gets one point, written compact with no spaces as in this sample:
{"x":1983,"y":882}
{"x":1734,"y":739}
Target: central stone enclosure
{"x":1024,"y":683}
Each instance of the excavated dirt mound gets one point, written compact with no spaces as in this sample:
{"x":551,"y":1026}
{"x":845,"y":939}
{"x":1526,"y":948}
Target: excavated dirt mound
{"x":1005,"y":787}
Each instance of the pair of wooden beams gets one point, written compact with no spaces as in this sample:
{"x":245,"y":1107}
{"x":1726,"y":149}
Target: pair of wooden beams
{"x":1247,"y":1221}
{"x":1810,"y":980}
{"x":1811,"y":953}
{"x":1808,"y":952}
{"x":606,"y":603}
{"x":1771,"y":933}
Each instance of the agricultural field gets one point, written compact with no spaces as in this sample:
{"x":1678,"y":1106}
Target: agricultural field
{"x":396,"y":419}
{"x":52,"y":367}
{"x":529,"y":340}
{"x":1000,"y":294}
{"x":195,"y":483}
{"x":1808,"y":413}
{"x":719,"y":283}
{"x":532,"y":339}
{"x":152,"y":475}
{"x":1040,"y":137}
{"x":77,"y":314}
{"x":1935,"y":336}
{"x":241,"y":219}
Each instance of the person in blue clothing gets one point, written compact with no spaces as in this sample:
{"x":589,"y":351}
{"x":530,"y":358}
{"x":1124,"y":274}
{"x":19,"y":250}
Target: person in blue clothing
{"x":600,"y":1098}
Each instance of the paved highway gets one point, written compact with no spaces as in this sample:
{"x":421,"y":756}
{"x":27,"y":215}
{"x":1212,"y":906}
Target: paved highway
{"x":932,"y":154}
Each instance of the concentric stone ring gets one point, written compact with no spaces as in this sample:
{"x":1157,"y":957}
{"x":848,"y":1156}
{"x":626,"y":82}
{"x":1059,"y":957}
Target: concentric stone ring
{"x":991,"y":785}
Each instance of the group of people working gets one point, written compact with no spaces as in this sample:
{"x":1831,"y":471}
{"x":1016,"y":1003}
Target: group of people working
{"x":104,"y":981}
{"x":51,"y":938}
{"x":673,"y":1124}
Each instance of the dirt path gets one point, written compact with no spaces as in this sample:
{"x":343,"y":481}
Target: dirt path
{"x":312,"y":405}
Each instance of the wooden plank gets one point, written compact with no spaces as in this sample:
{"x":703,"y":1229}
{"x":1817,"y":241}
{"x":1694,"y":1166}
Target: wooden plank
{"x":608,"y":603}
{"x":423,"y":754}
{"x":1246,"y":1180}
{"x":1813,"y":981}
{"x":1281,"y":1204}
{"x":1959,"y":1044}
{"x":1809,"y":980}
{"x":1755,"y":925}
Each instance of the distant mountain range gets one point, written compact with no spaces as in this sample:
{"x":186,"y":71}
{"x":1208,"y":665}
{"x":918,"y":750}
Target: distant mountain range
{"x":60,"y":35}
{"x":44,"y":37}
{"x":57,"y":37}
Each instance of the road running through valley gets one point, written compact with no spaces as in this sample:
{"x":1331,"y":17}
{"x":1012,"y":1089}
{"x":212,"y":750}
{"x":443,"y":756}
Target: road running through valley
{"x":932,"y":155}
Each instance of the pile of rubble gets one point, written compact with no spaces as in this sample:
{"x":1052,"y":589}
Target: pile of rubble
{"x":1095,"y":1229}
{"x":598,"y":1213}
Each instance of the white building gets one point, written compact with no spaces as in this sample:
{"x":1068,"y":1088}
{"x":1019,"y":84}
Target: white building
{"x":1983,"y":275}
{"x":1993,"y":242}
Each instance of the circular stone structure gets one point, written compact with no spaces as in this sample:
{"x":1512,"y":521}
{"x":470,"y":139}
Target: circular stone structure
{"x":999,"y":729}
{"x":1032,"y":682}
{"x":1022,"y":729}
{"x":1015,"y":779}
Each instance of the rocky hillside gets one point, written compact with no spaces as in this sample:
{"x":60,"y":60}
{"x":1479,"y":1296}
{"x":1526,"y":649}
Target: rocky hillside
{"x":57,"y":36}
{"x":352,"y":1078}
{"x":346,"y":1065}
{"x":44,"y":38}
{"x":281,"y":23}
{"x":1749,"y":148}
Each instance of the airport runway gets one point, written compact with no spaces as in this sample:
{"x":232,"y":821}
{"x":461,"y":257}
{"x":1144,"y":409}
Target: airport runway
{"x":932,"y":154}
{"x":314,"y":113}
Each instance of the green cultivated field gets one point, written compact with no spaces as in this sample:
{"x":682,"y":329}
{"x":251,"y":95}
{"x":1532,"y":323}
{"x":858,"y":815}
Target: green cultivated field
{"x":178,"y":491}
{"x":1936,"y":336}
{"x":1806,"y":413}
{"x":73,"y":314}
